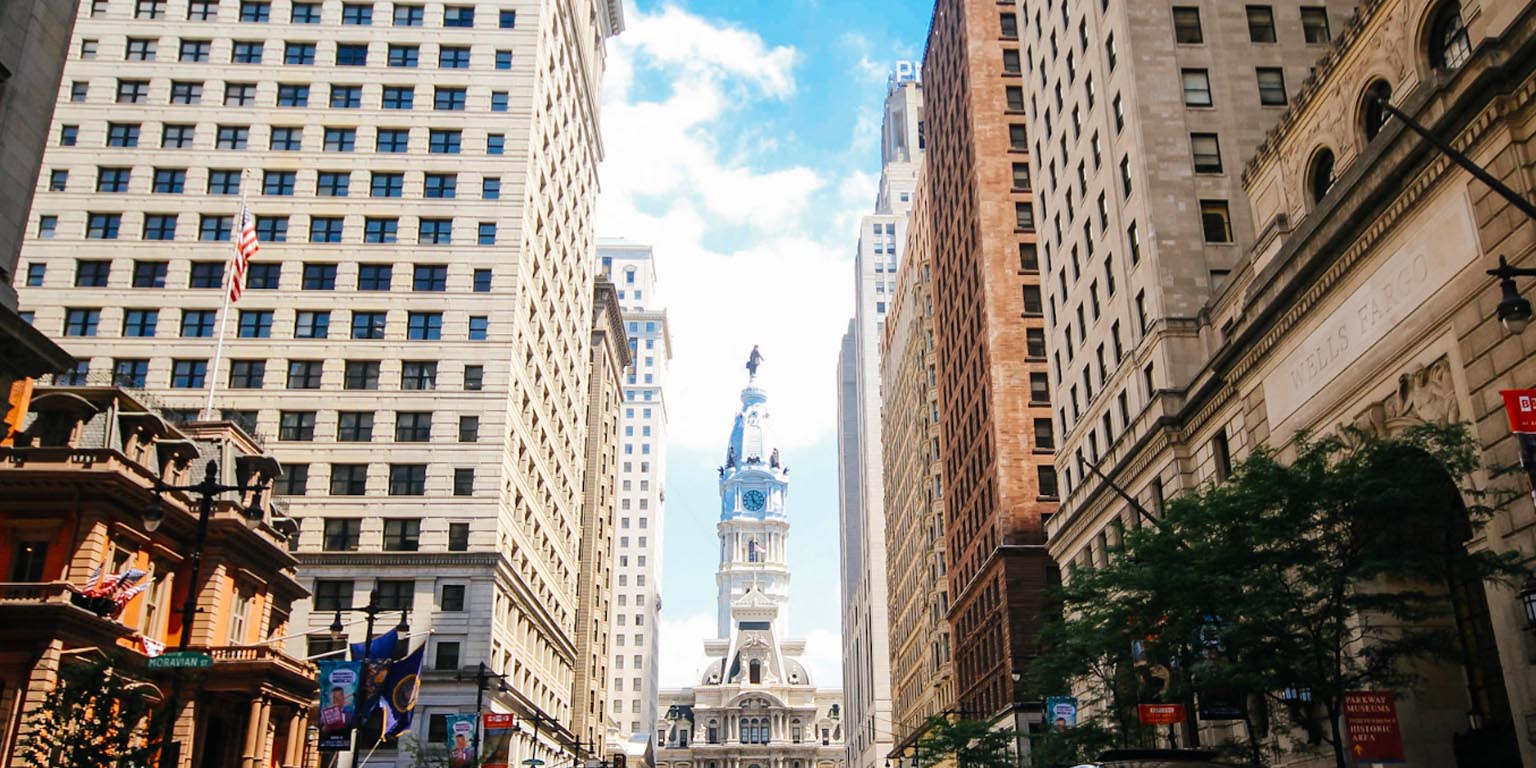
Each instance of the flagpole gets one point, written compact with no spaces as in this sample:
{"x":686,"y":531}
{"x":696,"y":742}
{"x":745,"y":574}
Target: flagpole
{"x":229,"y":276}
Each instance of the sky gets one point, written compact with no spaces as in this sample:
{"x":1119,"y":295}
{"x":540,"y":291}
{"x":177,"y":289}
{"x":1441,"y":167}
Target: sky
{"x":742,"y":142}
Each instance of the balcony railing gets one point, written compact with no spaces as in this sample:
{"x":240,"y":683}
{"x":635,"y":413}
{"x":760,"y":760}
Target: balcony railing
{"x":38,"y":592}
{"x":228,"y":654}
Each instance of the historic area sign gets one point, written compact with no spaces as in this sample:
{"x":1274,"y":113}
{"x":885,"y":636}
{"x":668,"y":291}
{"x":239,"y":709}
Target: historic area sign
{"x":1370,"y":718}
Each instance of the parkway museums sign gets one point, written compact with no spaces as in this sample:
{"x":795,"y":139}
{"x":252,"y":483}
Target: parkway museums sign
{"x":1370,"y":718}
{"x":1427,"y":257}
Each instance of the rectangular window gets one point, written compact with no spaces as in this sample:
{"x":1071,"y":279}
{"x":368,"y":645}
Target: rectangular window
{"x":507,"y":19}
{"x":464,"y":481}
{"x":418,"y":375}
{"x":440,"y":185}
{"x":333,"y":183}
{"x":295,"y":480}
{"x":1045,"y":436}
{"x":354,"y":426}
{"x":346,"y":97}
{"x":351,"y":54}
{"x":149,"y":274}
{"x":453,"y":57}
{"x":399,"y":97}
{"x":446,"y":142}
{"x":381,"y":230}
{"x":349,"y":479}
{"x":1216,"y":221}
{"x":333,"y":595}
{"x":305,"y":13}
{"x":118,"y":135}
{"x":402,"y":535}
{"x":287,"y":139}
{"x":1271,"y":86}
{"x":1207,"y":152}
{"x":255,"y":324}
{"x":186,"y":93}
{"x":482,"y":281}
{"x":374,"y":277}
{"x":296,"y":426}
{"x":247,"y":51}
{"x":490,"y":188}
{"x":474,"y":377}
{"x":1033,"y":305}
{"x":1039,"y":389}
{"x":368,"y":325}
{"x":1034,"y":343}
{"x":132,"y":91}
{"x":311,"y":324}
{"x":149,"y":9}
{"x":487,"y":234}
{"x":498,"y":101}
{"x":413,"y":427}
{"x":81,"y":322}
{"x":1047,"y":478}
{"x":452,"y":600}
{"x":448,"y":99}
{"x":469,"y":429}
{"x":361,"y":374}
{"x":247,"y":374}
{"x":1314,"y":25}
{"x":356,"y":14}
{"x":139,"y":50}
{"x":197,"y":323}
{"x":503,"y":59}
{"x":1261,"y":24}
{"x":159,"y":226}
{"x":319,"y":277}
{"x":92,"y":273}
{"x":103,"y":226}
{"x":272,"y":229}
{"x":305,"y":374}
{"x":255,"y":11}
{"x":1023,"y":217}
{"x":215,"y":228}
{"x":424,"y":326}
{"x":1197,"y":88}
{"x":479,"y":329}
{"x":223,"y":182}
{"x":299,"y":53}
{"x":393,"y":140}
{"x":458,"y":537}
{"x":1186,"y":25}
{"x":189,"y":374}
{"x":430,"y":277}
{"x":495,"y":143}
{"x":340,"y":139}
{"x":435,"y":231}
{"x":131,"y":373}
{"x":341,"y":534}
{"x":404,"y":55}
{"x":239,"y":94}
{"x":325,"y":229}
{"x":195,"y":51}
{"x":279,"y":183}
{"x":292,"y":95}
{"x":1008,"y":26}
{"x":407,"y":479}
{"x":409,"y":15}
{"x":233,"y":137}
{"x":459,"y":16}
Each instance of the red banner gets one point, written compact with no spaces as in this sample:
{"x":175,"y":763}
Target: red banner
{"x":497,"y":729}
{"x":1370,"y":717}
{"x":1160,"y":714}
{"x":1520,"y":404}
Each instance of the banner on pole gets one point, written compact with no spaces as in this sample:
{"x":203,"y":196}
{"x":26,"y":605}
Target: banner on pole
{"x":461,"y":740}
{"x":338,"y":703}
{"x":1160,"y":714}
{"x":497,"y":744}
{"x":1061,"y":712}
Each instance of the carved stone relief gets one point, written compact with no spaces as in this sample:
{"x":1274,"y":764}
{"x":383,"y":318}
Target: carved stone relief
{"x":1425,"y":394}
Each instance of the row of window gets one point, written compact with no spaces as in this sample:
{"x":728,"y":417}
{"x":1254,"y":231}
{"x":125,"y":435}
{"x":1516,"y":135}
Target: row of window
{"x":269,"y":229}
{"x":97,"y":273}
{"x":173,"y":181}
{"x":297,"y":95}
{"x":257,"y":324}
{"x":352,"y":14}
{"x":415,"y":375}
{"x":299,"y":53}
{"x":342,"y":534}
{"x":1188,"y":29}
{"x":287,"y":138}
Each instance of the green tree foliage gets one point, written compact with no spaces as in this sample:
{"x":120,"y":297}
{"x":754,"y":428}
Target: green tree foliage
{"x":1328,"y":573}
{"x":93,"y":718}
{"x":965,"y":743}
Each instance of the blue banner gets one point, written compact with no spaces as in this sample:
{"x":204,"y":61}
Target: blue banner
{"x":400,"y":689}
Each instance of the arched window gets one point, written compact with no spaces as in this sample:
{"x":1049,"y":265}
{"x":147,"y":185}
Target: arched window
{"x":1449,"y":47}
{"x":754,"y":551}
{"x":1320,"y":177}
{"x":755,"y":672}
{"x":1372,"y":115}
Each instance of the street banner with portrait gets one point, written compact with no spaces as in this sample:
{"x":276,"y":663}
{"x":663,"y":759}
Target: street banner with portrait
{"x":497,"y":744}
{"x":1060,"y":712}
{"x":338,"y":703}
{"x":461,"y":740}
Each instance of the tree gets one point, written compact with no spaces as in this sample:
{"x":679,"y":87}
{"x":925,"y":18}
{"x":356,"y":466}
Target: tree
{"x":1327,"y":574}
{"x":969,"y":743}
{"x":93,"y":718}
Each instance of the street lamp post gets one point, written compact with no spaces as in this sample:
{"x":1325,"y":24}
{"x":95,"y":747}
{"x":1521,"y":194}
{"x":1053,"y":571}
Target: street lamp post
{"x":371,"y":610}
{"x":483,"y":678}
{"x":153,"y":515}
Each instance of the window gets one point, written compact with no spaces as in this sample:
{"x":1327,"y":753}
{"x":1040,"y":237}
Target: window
{"x":118,"y":135}
{"x":215,"y":228}
{"x":81,"y":322}
{"x":399,"y":97}
{"x":349,"y":479}
{"x":130,"y":373}
{"x":247,"y":374}
{"x":149,"y":9}
{"x":223,"y":182}
{"x":333,"y":595}
{"x":448,"y":99}
{"x":464,"y":481}
{"x":1197,"y":88}
{"x":1221,"y":455}
{"x":503,"y":59}
{"x":409,"y":15}
{"x":346,"y":97}
{"x":1207,"y":152}
{"x":233,"y":137}
{"x":92,"y":274}
{"x":341,"y":534}
{"x":1271,"y":86}
{"x":305,"y":13}
{"x":407,"y":479}
{"x":255,"y":11}
{"x":78,"y":91}
{"x":374,"y":277}
{"x":319,"y":277}
{"x":340,"y":139}
{"x":487,"y":235}
{"x":239,"y":94}
{"x":47,"y":227}
{"x":333,"y":183}
{"x":1011,"y":63}
{"x":1008,"y":24}
{"x":393,"y":140}
{"x":189,"y":374}
{"x":424,"y":326}
{"x":458,"y":537}
{"x":103,"y":226}
{"x":361,"y":374}
{"x":381,"y":230}
{"x":355,"y":14}
{"x":474,"y":377}
{"x":287,"y":139}
{"x":495,"y":143}
{"x":1186,"y":25}
{"x":247,"y":51}
{"x":255,"y":324}
{"x":368,"y":325}
{"x":479,"y":329}
{"x":88,"y":49}
{"x":446,"y":142}
{"x":1314,"y":24}
{"x":1373,"y":115}
{"x":453,"y":57}
{"x":354,"y":426}
{"x":418,"y":375}
{"x":1261,"y":23}
{"x":413,"y":427}
{"x":469,"y":429}
{"x":197,"y":323}
{"x":111,"y":179}
{"x":325,"y":229}
{"x":1033,"y":304}
{"x":296,"y":425}
{"x":459,"y":16}
{"x":440,"y":185}
{"x":430,"y":277}
{"x":139,"y":50}
{"x":1449,"y":44}
{"x":295,"y":480}
{"x":1047,"y":479}
{"x":1133,"y":240}
{"x":280,"y":183}
{"x":351,"y":54}
{"x":435,"y":231}
{"x":1215,"y":221}
{"x":149,"y":274}
{"x":482,"y":281}
{"x":1320,"y":175}
{"x":1125,"y":176}
{"x":311,"y":324}
{"x":1023,"y":217}
{"x":1045,"y":436}
{"x":305,"y":374}
{"x":272,"y":229}
{"x":1015,"y":98}
{"x":299,"y":53}
{"x":507,"y":20}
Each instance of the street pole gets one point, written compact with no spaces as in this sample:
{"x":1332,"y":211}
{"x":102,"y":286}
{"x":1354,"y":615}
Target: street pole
{"x":1460,"y":159}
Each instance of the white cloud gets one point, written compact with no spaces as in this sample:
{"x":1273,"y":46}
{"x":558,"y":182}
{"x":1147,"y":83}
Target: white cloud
{"x":751,"y":248}
{"x":681,"y":649}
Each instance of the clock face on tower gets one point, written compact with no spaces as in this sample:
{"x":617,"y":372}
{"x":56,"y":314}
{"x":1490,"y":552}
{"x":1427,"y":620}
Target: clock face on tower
{"x":753,"y":500}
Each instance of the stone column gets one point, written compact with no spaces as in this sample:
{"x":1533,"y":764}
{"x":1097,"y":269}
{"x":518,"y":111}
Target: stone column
{"x":295,"y":740}
{"x":252,"y":738}
{"x":263,"y":744}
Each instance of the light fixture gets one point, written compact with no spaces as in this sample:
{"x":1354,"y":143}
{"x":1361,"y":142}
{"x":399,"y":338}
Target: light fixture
{"x":338,"y":632}
{"x":1514,"y":311}
{"x":153,"y":514}
{"x":1527,"y":602}
{"x":404,"y":627}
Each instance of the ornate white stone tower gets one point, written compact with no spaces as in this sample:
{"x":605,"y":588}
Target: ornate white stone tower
{"x":754,"y":525}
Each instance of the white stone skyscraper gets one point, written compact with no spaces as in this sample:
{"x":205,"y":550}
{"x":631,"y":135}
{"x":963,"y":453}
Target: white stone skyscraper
{"x":866,"y":628}
{"x":414,"y":333}
{"x":636,"y":606}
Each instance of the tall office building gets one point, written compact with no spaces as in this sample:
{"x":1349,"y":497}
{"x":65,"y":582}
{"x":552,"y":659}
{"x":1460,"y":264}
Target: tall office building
{"x":1141,"y":125}
{"x":416,"y":327}
{"x":636,"y":609}
{"x":917,"y":595}
{"x":995,"y":444}
{"x":866,"y":630}
{"x":594,"y":580}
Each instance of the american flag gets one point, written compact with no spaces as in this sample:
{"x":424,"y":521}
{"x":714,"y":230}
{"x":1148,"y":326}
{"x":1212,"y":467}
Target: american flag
{"x":245,"y":247}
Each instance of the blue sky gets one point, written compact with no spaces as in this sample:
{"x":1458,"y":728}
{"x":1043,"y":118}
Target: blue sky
{"x":742,"y":143}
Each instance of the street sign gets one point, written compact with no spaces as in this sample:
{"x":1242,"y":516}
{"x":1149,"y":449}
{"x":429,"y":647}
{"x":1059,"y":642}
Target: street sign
{"x":1370,"y":719}
{"x":1160,"y":714}
{"x":181,"y":660}
{"x":533,"y":761}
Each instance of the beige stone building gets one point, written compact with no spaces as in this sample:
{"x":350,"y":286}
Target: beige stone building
{"x":594,"y":580}
{"x":414,"y":335}
{"x":1362,"y":300}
